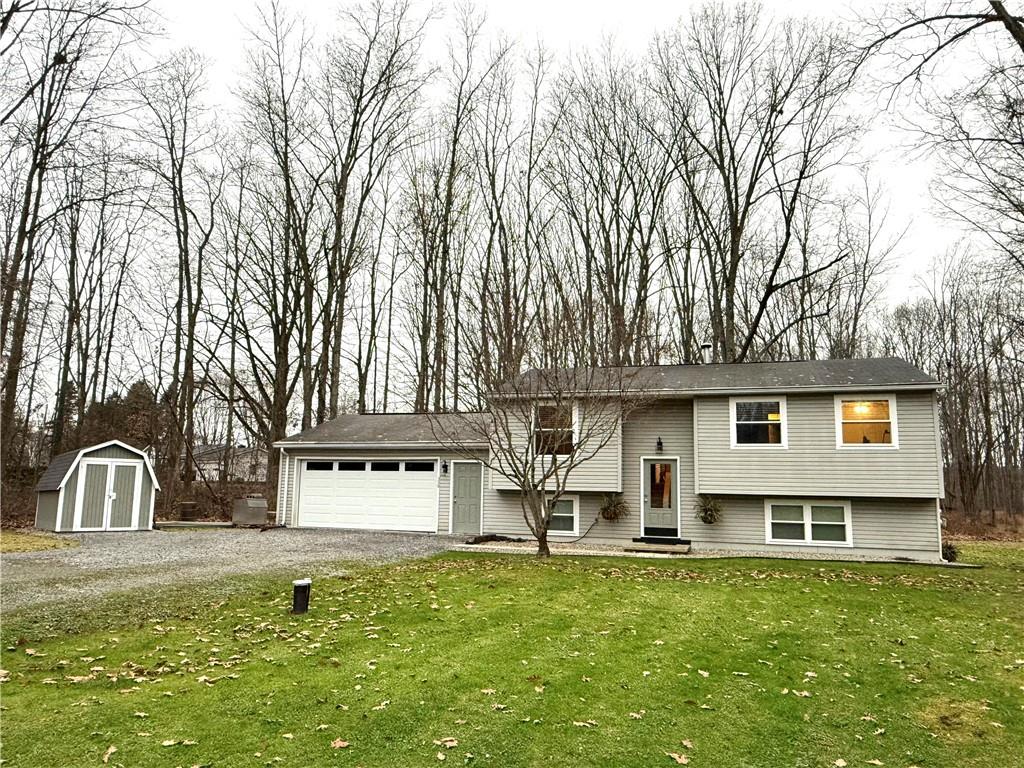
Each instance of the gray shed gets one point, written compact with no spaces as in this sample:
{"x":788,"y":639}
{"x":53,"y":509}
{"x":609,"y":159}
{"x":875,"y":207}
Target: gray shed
{"x":105,"y":487}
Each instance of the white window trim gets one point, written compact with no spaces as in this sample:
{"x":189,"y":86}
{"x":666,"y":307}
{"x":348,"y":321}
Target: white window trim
{"x":575,"y":499}
{"x":893,"y":427}
{"x":784,"y":420}
{"x":807,"y":504}
{"x":575,"y":424}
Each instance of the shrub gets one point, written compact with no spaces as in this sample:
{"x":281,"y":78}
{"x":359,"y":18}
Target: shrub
{"x":708,"y":509}
{"x":614,"y":507}
{"x":949,"y":552}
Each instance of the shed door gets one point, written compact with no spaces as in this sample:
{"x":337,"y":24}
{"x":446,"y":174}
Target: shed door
{"x":122,"y":496}
{"x":380,"y":494}
{"x":94,"y":497}
{"x":109,"y":495}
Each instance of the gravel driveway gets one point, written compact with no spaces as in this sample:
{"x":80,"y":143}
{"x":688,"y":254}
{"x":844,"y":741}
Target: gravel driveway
{"x":111,"y":562}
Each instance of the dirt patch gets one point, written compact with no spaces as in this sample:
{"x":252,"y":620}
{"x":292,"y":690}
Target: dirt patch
{"x":956,"y":722}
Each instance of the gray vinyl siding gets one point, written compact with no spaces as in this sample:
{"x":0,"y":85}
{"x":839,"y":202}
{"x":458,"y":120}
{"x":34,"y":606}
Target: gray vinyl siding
{"x":291,"y":470}
{"x":600,"y":472}
{"x":67,"y":513}
{"x":46,"y":510}
{"x":880,"y":527}
{"x":812,"y":464}
{"x":111,"y":452}
{"x":146,"y":502}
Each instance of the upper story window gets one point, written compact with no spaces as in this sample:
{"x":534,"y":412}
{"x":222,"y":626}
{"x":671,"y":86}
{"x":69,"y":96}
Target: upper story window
{"x":758,"y":421}
{"x":866,"y":421}
{"x":553,"y":429}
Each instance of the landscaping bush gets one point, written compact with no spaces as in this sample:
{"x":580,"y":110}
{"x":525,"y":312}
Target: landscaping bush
{"x":949,"y":552}
{"x":708,"y":509}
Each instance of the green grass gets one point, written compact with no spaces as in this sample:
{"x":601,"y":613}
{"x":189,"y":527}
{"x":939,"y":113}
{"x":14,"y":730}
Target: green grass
{"x":30,"y":541}
{"x":582,"y":662}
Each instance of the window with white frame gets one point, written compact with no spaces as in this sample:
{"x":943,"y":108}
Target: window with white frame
{"x":758,"y":421}
{"x":564,"y":516}
{"x":553,"y":430}
{"x":866,"y":421}
{"x":808,"y":522}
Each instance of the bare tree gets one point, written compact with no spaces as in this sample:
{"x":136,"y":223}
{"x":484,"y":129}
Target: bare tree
{"x":540,"y":427}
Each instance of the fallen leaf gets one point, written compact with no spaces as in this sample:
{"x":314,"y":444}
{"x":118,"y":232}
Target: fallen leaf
{"x":703,"y":673}
{"x":584,"y":723}
{"x":447,"y":742}
{"x":287,"y":735}
{"x":441,"y":756}
{"x":488,"y":691}
{"x":840,"y":763}
{"x":687,"y":743}
{"x":637,"y":715}
{"x":876,"y":761}
{"x":106,"y":755}
{"x":339,"y":744}
{"x":680,"y":759}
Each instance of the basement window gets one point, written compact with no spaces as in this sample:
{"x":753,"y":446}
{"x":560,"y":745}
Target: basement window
{"x":565,"y":516}
{"x":824,"y":523}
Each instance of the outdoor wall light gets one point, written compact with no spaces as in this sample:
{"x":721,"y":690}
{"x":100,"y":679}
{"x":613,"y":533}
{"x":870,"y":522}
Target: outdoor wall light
{"x":444,"y":467}
{"x":659,"y":446}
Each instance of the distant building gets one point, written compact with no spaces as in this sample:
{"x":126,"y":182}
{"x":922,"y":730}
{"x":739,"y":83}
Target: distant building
{"x":237,"y":463}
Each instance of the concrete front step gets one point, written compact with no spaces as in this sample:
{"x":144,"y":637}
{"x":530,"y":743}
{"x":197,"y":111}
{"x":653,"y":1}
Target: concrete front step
{"x":664,"y":549}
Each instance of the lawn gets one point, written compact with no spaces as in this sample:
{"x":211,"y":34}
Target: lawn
{"x":508,"y":661}
{"x":31,"y":541}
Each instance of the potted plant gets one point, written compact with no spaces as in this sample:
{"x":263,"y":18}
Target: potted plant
{"x":614,"y":507}
{"x":708,"y":509}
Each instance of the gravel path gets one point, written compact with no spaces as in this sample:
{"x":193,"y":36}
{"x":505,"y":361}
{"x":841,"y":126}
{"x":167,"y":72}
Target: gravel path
{"x":111,"y":562}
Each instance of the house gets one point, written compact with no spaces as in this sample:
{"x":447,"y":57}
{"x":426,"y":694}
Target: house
{"x":242,"y":464}
{"x":819,"y":456}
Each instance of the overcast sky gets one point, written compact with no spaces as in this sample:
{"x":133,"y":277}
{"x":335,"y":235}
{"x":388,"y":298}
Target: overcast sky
{"x":217,"y":29}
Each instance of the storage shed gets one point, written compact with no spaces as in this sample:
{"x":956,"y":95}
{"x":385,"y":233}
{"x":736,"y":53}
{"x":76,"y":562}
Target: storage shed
{"x":105,"y":487}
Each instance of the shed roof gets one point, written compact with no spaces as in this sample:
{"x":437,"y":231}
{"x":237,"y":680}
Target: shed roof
{"x":62,"y":464}
{"x":404,"y":430}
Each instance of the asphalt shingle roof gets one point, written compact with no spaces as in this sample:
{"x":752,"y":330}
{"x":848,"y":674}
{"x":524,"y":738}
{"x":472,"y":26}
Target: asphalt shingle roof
{"x":385,"y":428}
{"x":54,"y":474}
{"x":720,"y":378}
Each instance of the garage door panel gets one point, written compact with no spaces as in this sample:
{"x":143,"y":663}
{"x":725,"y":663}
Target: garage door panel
{"x":383,"y":500}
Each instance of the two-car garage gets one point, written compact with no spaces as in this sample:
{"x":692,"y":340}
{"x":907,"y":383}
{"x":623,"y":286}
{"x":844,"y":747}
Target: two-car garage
{"x":379,"y":494}
{"x":382,"y":472}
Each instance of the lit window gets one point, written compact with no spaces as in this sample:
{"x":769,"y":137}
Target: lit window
{"x":563,"y":516}
{"x":866,"y":422}
{"x":553,"y":430}
{"x":759,"y":421}
{"x":798,"y":522}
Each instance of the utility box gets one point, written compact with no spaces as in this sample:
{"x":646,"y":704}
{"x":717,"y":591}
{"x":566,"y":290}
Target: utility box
{"x":250,"y":509}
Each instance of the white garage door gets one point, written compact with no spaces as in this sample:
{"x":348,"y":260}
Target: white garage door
{"x":383,"y":494}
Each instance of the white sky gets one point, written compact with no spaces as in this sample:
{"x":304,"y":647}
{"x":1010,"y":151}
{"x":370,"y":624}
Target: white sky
{"x":217,"y":29}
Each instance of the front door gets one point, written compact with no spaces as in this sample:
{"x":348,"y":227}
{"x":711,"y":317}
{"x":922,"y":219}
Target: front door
{"x":467,"y":477}
{"x":661,"y":502}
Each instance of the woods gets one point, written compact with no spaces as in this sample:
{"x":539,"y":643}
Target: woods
{"x":395,"y":213}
